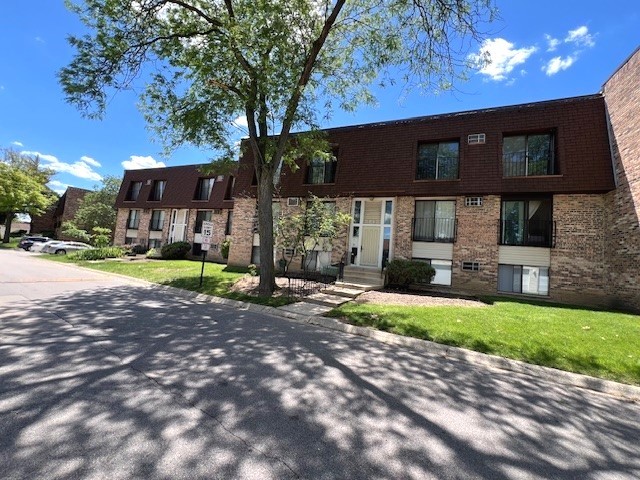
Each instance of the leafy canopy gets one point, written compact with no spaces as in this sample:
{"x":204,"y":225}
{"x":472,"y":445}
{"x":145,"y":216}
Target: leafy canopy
{"x":97,"y":208}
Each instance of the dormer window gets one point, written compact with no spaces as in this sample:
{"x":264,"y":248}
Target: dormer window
{"x":438,"y":161}
{"x":525,"y":155}
{"x":321,"y":171}
{"x":134,"y":191}
{"x":157,"y":191}
{"x":203,"y":189}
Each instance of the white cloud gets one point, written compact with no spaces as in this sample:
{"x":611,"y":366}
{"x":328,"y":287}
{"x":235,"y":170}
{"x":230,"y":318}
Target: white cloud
{"x":78,"y":169}
{"x":137,"y":162}
{"x":17,"y":144}
{"x":552,"y":43}
{"x":241,"y":122}
{"x":557,"y":64}
{"x":581,"y":37}
{"x":91,"y":161}
{"x":39,"y":40}
{"x":502,"y":57}
{"x":58,"y":186}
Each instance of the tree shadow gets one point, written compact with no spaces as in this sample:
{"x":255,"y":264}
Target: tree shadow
{"x":137,"y":382}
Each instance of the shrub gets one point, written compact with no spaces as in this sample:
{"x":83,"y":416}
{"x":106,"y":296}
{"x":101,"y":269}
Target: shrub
{"x":139,"y":249}
{"x":98,"y":253}
{"x":224,"y":248}
{"x":175,"y":251}
{"x":153,"y":253}
{"x":405,"y":272}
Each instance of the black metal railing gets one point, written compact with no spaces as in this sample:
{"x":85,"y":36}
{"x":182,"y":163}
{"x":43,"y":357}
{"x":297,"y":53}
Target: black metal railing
{"x":435,"y":230}
{"x":518,"y":164}
{"x":303,"y":284}
{"x":528,"y":233}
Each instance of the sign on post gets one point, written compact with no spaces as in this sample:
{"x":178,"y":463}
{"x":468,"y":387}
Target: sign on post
{"x":207,"y":233}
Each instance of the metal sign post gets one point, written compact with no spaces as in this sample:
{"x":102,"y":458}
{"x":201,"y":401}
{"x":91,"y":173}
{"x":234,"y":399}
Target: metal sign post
{"x":207,"y":233}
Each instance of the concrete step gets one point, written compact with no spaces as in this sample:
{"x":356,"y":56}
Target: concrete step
{"x":362,"y":286}
{"x":326,"y":299}
{"x":349,"y":293}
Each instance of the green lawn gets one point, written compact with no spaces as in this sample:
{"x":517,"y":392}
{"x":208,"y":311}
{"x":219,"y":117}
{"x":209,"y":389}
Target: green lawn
{"x":185,"y":274}
{"x":13,"y":243}
{"x":598,"y":343}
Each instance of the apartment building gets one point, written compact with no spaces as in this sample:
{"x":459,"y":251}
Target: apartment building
{"x":164,"y":205}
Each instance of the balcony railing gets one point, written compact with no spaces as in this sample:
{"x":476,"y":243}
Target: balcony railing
{"x":528,"y":233}
{"x":518,"y":164}
{"x":435,"y":230}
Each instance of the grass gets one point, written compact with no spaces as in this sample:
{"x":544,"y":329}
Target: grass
{"x":13,"y":243}
{"x":218,"y":279}
{"x":598,"y":343}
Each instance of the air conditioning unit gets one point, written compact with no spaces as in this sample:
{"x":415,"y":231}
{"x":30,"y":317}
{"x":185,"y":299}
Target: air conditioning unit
{"x":148,"y":182}
{"x":219,"y":178}
{"x":476,"y":138}
{"x":293,"y":201}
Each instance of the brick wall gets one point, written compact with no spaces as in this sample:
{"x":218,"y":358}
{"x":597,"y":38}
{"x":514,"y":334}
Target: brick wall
{"x":402,"y":244}
{"x":622,"y":98}
{"x":578,"y":261}
{"x":477,"y":241}
{"x":121,"y":226}
{"x":71,"y":199}
{"x":242,"y":231}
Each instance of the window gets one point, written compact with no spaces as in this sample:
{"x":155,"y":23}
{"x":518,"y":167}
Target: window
{"x":231,"y":182}
{"x":435,"y":221}
{"x":321,"y":171}
{"x":523,"y":279}
{"x":442,"y":268}
{"x":133,"y":220}
{"x":157,"y":220}
{"x":203,"y":189}
{"x":130,"y":240}
{"x":229,"y":225}
{"x":524,"y":155}
{"x":134,"y":191}
{"x":155,"y":243}
{"x":437,"y":161}
{"x":527,"y":223}
{"x":157,"y":190}
{"x":255,"y":255}
{"x":201,"y":216}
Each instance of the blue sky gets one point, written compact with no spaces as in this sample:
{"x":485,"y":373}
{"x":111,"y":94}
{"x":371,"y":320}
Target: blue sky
{"x":541,"y":50}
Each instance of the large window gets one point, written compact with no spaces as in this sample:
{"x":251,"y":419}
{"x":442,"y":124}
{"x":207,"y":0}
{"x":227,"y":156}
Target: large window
{"x":202,"y":216}
{"x":442,"y":268}
{"x":527,"y":223}
{"x":435,"y":221}
{"x":157,"y":191}
{"x":437,"y":161}
{"x":321,"y":171}
{"x":157,"y":220}
{"x":134,"y":191}
{"x":133,"y":220}
{"x":524,"y":155}
{"x":523,"y":279}
{"x":227,"y":229}
{"x":203,"y":189}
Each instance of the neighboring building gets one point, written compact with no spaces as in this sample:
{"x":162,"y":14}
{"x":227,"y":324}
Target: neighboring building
{"x":164,"y":205}
{"x":63,"y":210}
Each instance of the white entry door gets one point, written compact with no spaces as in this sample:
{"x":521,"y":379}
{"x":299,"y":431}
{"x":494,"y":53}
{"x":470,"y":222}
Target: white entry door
{"x":371,"y":231}
{"x":178,"y":228}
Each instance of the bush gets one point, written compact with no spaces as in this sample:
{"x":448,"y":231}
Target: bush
{"x":98,"y":253}
{"x":175,"y":251}
{"x":153,"y":253}
{"x":224,"y":248}
{"x":405,"y":272}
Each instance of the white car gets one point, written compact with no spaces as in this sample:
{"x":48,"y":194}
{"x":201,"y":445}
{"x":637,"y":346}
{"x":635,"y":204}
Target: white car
{"x":67,"y":247}
{"x":43,"y":247}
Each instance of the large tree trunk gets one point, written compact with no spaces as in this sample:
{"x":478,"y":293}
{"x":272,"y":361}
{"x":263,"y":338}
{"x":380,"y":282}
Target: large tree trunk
{"x":7,"y":227}
{"x":265,"y":228}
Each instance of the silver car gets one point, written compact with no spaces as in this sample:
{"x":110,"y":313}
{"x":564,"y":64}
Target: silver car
{"x":44,"y":247}
{"x":67,"y":247}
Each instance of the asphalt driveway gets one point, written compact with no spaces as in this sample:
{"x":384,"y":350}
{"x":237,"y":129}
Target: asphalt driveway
{"x":105,"y":378}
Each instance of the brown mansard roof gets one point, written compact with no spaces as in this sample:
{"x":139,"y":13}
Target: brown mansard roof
{"x":179,"y":191}
{"x":380,"y":158}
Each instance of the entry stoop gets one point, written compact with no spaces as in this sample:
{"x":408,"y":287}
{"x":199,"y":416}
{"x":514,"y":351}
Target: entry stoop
{"x":361,"y":278}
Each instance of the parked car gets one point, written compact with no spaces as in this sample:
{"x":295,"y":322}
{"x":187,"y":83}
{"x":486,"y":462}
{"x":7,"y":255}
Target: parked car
{"x":44,"y":247}
{"x":68,"y":247}
{"x":26,"y":242}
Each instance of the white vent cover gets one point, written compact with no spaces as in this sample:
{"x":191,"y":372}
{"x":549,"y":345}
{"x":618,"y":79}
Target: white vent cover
{"x":471,"y":266}
{"x":148,"y":182}
{"x":472,"y":201}
{"x":219,"y":178}
{"x":476,"y":138}
{"x":293,"y":201}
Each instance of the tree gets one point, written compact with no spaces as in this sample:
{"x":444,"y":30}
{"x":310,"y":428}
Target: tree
{"x":97,"y":208}
{"x":22,"y":187}
{"x":317,"y":226}
{"x":208,"y":61}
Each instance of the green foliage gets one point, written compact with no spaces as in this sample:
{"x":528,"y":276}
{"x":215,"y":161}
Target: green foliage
{"x":153,"y":253}
{"x":175,"y":251}
{"x":270,"y":62}
{"x":97,"y":208}
{"x":253,"y":270}
{"x":71,"y":230}
{"x":224,"y":248}
{"x":407,"y":272}
{"x":101,"y":236}
{"x":97,"y":253}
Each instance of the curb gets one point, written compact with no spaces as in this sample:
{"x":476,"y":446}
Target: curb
{"x":561,"y":377}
